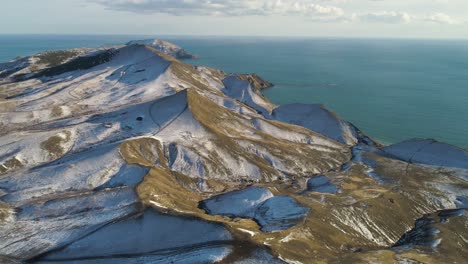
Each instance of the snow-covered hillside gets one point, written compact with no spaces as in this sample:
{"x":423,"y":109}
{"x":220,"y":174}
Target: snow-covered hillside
{"x":125,"y":153}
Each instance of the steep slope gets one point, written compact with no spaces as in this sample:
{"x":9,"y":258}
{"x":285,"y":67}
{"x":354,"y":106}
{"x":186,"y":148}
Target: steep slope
{"x":106,"y":153}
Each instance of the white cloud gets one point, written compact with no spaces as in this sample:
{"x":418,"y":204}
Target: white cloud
{"x":387,"y":17}
{"x":226,"y":7}
{"x":310,"y":10}
{"x":441,"y":18}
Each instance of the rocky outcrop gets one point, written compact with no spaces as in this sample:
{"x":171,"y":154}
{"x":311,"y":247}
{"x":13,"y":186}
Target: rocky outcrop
{"x":430,"y":231}
{"x":255,"y":81}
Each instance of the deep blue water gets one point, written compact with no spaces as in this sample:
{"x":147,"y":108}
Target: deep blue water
{"x":391,"y":89}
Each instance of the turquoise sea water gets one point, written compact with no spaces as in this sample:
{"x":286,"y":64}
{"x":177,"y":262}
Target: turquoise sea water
{"x":392,"y":89}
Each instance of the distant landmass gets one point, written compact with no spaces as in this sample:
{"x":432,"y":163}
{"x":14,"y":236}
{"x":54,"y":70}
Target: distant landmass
{"x":127,"y":154}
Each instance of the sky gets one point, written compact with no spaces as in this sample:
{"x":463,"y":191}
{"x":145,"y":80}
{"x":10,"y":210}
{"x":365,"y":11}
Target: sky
{"x":310,"y":18}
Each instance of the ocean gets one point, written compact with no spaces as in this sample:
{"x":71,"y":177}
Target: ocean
{"x":392,"y":89}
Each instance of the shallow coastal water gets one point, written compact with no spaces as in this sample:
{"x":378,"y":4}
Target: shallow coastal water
{"x":391,"y":89}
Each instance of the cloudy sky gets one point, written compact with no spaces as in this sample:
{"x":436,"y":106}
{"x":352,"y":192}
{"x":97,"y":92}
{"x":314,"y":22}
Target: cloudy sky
{"x":329,"y":18}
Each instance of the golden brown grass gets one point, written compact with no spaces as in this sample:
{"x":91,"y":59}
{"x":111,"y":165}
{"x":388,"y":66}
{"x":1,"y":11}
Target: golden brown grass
{"x":6,"y":106}
{"x":56,"y":111}
{"x":10,"y":164}
{"x":53,"y":145}
{"x":5,"y":211}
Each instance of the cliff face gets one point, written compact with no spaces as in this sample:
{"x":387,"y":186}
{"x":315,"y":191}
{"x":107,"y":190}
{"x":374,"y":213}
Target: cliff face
{"x":255,"y":81}
{"x":128,"y":154}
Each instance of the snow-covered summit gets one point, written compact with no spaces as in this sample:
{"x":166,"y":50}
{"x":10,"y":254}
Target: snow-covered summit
{"x":165,"y":47}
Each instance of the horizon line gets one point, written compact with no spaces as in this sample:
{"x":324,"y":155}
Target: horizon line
{"x":236,"y":36}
